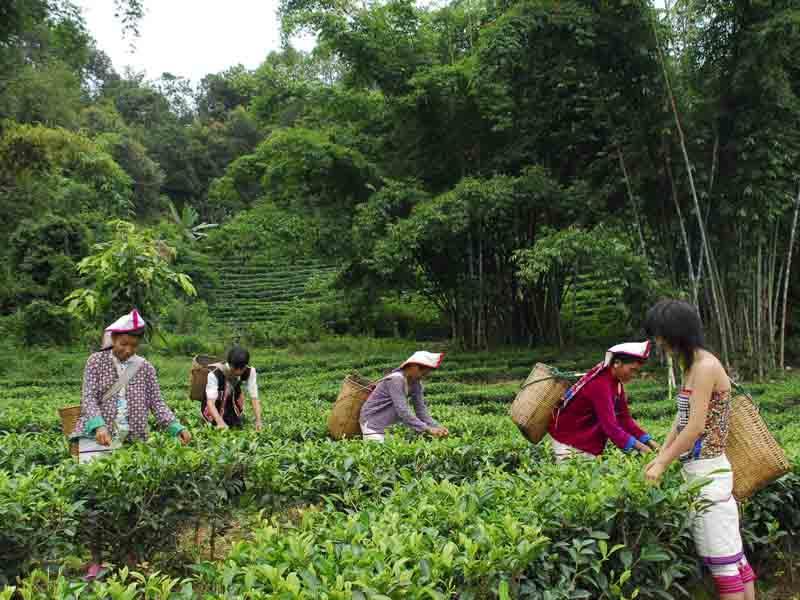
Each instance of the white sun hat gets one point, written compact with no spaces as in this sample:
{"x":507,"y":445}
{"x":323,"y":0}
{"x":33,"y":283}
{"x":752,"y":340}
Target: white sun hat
{"x":133,"y":321}
{"x":425,"y":359}
{"x":640,"y":350}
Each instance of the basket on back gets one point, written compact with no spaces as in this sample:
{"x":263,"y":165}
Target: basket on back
{"x":343,"y":422}
{"x":540,"y":395}
{"x":202,"y":365}
{"x":756,"y":458}
{"x":69,"y":418}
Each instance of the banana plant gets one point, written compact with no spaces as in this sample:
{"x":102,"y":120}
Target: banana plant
{"x":187,"y":221}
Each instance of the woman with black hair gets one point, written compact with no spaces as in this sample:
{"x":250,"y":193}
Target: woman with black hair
{"x":697,"y":440}
{"x":224,"y":393}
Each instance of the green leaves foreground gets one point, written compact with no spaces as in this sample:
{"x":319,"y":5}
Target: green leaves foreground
{"x":410,"y":520}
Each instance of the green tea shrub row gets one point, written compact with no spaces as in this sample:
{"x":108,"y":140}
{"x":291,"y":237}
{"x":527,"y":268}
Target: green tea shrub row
{"x":135,"y":501}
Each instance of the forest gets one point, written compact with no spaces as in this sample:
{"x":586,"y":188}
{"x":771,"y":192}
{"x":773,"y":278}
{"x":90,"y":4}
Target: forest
{"x":497,"y":172}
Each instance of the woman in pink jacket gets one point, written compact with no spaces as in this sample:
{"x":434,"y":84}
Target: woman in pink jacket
{"x":595,"y":409}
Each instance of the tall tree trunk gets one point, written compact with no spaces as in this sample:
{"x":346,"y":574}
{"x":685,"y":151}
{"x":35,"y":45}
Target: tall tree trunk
{"x":714,"y":162}
{"x":786,"y":279}
{"x":760,"y":314}
{"x":632,"y":199}
{"x":771,"y":298}
{"x":716,"y":293}
{"x":682,"y":222}
{"x":748,"y":330}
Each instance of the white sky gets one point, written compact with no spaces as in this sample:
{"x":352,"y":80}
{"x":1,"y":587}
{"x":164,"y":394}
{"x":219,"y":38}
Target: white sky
{"x":189,"y":38}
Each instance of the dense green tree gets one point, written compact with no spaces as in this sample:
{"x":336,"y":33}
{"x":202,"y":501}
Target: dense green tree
{"x":44,"y":169}
{"x":131,"y":269}
{"x":221,"y":93}
{"x":146,"y":175}
{"x":43,"y":254}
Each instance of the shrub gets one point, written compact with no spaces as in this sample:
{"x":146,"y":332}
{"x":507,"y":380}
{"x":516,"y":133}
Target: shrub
{"x":46,"y":323}
{"x":181,"y":317}
{"x":407,"y":316}
{"x":187,"y":344}
{"x":11,"y":327}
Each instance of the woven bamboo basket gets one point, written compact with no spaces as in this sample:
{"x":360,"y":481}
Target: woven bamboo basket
{"x":540,"y":395}
{"x":202,"y":365}
{"x":69,"y":418}
{"x":343,"y":422}
{"x":756,"y":458}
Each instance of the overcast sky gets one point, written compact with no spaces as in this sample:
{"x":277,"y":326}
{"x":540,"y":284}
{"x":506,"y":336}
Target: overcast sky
{"x":190,"y":38}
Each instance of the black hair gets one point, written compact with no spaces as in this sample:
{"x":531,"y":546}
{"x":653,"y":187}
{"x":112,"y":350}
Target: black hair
{"x":238,"y":357}
{"x":626,"y":359}
{"x":134,"y":333}
{"x":679,"y":323}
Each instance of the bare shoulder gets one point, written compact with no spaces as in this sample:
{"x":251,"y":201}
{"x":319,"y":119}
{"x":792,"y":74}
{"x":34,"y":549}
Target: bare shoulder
{"x":708,"y":366}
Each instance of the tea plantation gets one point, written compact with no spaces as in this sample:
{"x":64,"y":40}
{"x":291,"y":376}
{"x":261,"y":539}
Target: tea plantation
{"x":288,"y":513}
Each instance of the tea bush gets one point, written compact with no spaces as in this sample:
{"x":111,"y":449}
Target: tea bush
{"x":482,"y":514}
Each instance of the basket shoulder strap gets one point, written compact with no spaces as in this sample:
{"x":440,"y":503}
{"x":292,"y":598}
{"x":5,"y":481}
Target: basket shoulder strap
{"x":123,"y":380}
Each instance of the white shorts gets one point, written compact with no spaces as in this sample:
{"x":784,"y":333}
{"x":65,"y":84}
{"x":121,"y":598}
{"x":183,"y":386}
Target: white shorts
{"x":370,"y":434}
{"x":563,"y":452}
{"x":89,"y":450}
{"x":716,"y":528}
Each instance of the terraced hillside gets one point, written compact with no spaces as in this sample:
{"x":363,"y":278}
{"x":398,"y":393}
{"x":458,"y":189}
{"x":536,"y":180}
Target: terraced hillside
{"x":261,"y":290}
{"x":593,"y":307}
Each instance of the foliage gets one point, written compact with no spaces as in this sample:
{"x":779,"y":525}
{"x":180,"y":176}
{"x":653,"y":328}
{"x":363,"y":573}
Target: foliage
{"x":44,"y":514}
{"x":146,"y":174}
{"x":560,"y":258}
{"x":304,"y":172}
{"x":48,"y":94}
{"x":478,"y":512}
{"x":266,"y":231}
{"x":462,"y":243}
{"x":43,"y":254}
{"x":53,"y":170}
{"x":222,"y":93}
{"x":46,"y":323}
{"x":184,"y":317}
{"x":409,"y":127}
{"x":130,"y":270}
{"x":187,"y":222}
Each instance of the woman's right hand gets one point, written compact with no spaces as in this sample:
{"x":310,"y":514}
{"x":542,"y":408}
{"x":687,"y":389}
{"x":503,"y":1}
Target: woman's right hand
{"x":437,"y":431}
{"x":102,"y":436}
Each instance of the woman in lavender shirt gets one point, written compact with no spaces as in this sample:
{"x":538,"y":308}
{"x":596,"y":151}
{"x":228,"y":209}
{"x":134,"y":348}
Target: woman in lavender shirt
{"x":387,"y":404}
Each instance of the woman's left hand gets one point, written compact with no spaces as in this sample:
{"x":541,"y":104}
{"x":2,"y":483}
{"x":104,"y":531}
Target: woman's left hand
{"x":654,"y":471}
{"x":184,"y":436}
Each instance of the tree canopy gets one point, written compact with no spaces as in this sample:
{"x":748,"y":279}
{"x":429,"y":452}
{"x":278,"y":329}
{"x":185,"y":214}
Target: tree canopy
{"x":481,"y":154}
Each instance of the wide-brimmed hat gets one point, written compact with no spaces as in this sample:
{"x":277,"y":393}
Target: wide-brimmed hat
{"x":431,"y":360}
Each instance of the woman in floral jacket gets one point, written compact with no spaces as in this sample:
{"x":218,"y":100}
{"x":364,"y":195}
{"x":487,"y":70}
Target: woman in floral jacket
{"x":120,"y":390}
{"x":108,"y":419}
